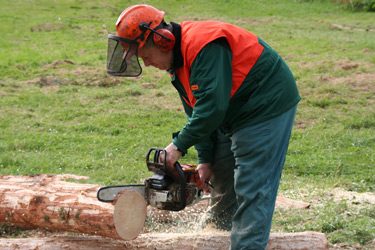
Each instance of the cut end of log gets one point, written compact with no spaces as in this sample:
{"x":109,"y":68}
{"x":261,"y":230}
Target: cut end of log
{"x":129,"y":214}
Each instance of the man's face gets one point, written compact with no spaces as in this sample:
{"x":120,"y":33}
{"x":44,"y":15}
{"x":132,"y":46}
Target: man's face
{"x":153,"y":56}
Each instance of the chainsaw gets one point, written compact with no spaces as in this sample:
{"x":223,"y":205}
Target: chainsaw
{"x":165,"y":190}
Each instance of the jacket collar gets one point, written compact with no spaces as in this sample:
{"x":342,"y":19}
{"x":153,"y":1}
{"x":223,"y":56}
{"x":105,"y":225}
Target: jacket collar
{"x":178,"y":61}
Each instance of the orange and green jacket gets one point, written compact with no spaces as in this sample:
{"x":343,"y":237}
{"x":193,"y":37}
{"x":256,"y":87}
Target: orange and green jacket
{"x":227,"y":79}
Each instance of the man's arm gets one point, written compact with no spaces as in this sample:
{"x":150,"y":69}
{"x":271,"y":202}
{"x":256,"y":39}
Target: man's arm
{"x":211,"y":72}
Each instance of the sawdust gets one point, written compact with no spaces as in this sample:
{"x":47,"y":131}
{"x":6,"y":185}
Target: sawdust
{"x":188,"y":220}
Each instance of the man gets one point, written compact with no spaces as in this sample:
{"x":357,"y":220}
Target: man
{"x":240,"y":99}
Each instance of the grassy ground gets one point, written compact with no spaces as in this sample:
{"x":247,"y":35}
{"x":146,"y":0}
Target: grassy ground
{"x":60,"y":113}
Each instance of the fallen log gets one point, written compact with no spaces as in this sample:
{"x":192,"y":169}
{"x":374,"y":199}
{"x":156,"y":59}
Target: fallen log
{"x":283,"y":202}
{"x":44,"y":201}
{"x":201,"y":241}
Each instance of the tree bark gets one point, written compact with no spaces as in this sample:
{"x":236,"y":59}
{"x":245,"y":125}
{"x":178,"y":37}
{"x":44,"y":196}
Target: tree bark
{"x":205,"y":241}
{"x":44,"y":201}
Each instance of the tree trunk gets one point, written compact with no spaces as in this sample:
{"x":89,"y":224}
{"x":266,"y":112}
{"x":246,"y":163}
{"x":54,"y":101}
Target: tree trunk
{"x":205,"y":241}
{"x":44,"y":201}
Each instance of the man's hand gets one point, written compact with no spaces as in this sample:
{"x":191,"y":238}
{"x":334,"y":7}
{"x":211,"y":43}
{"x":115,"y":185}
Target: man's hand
{"x":205,"y":173}
{"x":172,"y":157}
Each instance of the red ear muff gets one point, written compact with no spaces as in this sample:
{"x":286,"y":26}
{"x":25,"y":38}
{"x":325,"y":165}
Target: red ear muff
{"x":164,"y":39}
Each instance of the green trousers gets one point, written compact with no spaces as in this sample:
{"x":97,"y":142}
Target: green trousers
{"x":246,"y":174}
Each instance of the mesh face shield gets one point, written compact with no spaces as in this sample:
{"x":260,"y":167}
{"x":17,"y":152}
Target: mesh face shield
{"x":122,"y":57}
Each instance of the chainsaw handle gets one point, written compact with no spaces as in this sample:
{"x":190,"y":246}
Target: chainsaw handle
{"x":155,"y":165}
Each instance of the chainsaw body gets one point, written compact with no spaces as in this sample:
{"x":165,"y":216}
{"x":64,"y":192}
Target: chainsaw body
{"x":165,"y":190}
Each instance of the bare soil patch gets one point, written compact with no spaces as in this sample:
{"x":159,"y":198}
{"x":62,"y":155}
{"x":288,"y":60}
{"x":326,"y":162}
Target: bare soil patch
{"x":59,"y":63}
{"x":47,"y":27}
{"x":362,"y":81}
{"x":354,"y":197}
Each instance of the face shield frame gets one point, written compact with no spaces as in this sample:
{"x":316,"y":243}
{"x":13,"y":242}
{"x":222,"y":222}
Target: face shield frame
{"x":122,"y":57}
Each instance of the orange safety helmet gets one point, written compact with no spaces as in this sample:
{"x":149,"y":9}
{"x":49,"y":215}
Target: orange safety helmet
{"x":134,"y":26}
{"x":128,"y":23}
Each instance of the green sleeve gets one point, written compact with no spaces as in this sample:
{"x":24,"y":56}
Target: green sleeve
{"x":211,"y":71}
{"x":206,"y":147}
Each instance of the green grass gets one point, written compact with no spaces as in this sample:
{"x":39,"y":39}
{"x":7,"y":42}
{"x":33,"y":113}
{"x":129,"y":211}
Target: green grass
{"x":60,"y":113}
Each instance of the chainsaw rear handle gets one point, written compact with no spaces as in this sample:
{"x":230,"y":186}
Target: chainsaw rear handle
{"x":156,"y":166}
